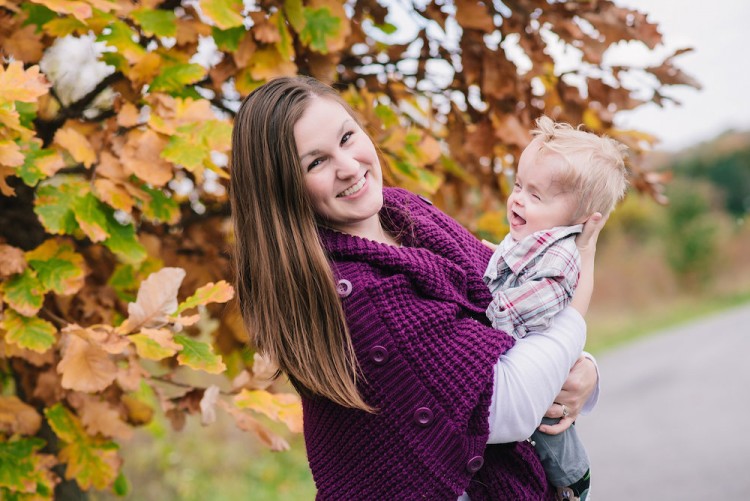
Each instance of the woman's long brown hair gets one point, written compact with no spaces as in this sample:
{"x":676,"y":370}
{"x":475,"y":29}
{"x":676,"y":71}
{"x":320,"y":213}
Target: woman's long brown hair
{"x":285,"y":285}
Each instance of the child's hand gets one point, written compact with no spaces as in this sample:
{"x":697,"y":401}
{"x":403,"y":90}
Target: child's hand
{"x":489,"y":244}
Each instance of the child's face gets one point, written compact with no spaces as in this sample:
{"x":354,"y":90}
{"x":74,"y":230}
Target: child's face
{"x":538,"y":201}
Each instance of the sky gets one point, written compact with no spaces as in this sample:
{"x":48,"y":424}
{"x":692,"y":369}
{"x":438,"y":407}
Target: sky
{"x":719,"y":32}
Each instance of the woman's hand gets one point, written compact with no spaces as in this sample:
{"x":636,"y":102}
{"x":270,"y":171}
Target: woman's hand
{"x":586,"y":240}
{"x":575,"y":392}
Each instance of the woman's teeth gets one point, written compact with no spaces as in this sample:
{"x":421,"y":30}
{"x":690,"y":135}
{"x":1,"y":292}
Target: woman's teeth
{"x":353,"y":189}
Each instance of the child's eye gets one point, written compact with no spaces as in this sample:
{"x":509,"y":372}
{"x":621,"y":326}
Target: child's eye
{"x":536,"y":196}
{"x":346,"y":137}
{"x":516,"y":186}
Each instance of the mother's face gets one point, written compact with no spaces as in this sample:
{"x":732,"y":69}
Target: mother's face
{"x":342,"y":171}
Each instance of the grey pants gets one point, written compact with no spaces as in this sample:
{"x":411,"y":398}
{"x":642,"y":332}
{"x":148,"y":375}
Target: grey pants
{"x":563,"y":457}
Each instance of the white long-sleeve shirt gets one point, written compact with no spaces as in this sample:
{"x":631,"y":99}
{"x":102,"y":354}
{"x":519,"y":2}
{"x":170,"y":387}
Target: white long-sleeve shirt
{"x":529,"y":376}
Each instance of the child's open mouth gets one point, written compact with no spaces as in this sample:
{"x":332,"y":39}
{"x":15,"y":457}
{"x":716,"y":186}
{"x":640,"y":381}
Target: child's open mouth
{"x":516,"y":220}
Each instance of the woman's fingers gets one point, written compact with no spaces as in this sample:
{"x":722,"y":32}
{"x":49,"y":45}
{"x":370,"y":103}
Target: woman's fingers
{"x":590,"y":233}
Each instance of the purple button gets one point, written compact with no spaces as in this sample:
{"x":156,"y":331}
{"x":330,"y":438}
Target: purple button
{"x":423,"y":416}
{"x":379,"y":355}
{"x":344,"y":287}
{"x":475,"y":464}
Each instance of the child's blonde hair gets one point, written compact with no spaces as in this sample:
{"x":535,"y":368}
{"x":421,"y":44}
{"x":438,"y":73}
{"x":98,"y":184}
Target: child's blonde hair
{"x":596,"y":170}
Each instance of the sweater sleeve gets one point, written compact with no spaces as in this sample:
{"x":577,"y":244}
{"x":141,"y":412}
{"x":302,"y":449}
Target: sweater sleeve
{"x":530,"y":375}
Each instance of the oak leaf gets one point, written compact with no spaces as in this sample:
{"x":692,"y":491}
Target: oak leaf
{"x":84,"y":366}
{"x":11,"y":260}
{"x":219,"y":292}
{"x":199,"y":355}
{"x":91,"y":461}
{"x":155,"y":344}
{"x":246,"y":422}
{"x":18,"y":417}
{"x":17,"y":84}
{"x":156,"y":300}
{"x":224,"y":13}
{"x":32,"y":333}
{"x":141,"y":156}
{"x":283,"y":407}
{"x":98,"y":416}
{"x":58,"y":267}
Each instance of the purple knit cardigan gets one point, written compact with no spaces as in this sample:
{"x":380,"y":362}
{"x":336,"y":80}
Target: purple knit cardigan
{"x":417,"y":320}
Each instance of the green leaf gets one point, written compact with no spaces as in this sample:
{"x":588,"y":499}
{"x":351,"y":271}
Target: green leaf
{"x":199,"y":355}
{"x":184,"y":150}
{"x":58,"y":267}
{"x":27,"y":113}
{"x":320,"y":24}
{"x":285,"y":45}
{"x":119,"y":36}
{"x":387,"y":28}
{"x":225,"y":13}
{"x":90,"y":214}
{"x":161,"y":207}
{"x":116,"y":60}
{"x":386,"y":115}
{"x":24,"y":292}
{"x":29,"y":172}
{"x":19,"y":464}
{"x":37,"y":14}
{"x":121,"y":486}
{"x":123,"y":241}
{"x":157,"y":22}
{"x":55,"y":201}
{"x":228,"y":40}
{"x":92,"y":461}
{"x":175,"y":78}
{"x":149,"y":346}
{"x":219,"y":292}
{"x":29,"y":332}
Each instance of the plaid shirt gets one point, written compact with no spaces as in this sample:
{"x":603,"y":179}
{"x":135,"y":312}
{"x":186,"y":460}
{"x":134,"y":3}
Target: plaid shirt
{"x":532,"y":280}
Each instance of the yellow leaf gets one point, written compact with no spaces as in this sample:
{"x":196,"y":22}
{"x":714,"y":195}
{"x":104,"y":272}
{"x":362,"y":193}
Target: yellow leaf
{"x":18,"y":417}
{"x":169,"y":113}
{"x":58,"y":266}
{"x":283,"y":407}
{"x":220,"y":292}
{"x":156,"y":300}
{"x":10,"y":154}
{"x":84,"y":367}
{"x":155,"y":344}
{"x":267,"y":63}
{"x":19,"y":85}
{"x":145,"y":69}
{"x":141,"y":156}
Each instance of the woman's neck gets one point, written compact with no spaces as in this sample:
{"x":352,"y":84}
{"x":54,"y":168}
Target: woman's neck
{"x":372,"y":230}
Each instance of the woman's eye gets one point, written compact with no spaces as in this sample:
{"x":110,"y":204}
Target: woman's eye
{"x":314,"y":164}
{"x":346,"y":137}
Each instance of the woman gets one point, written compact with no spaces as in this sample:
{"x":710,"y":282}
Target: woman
{"x":372,"y":302}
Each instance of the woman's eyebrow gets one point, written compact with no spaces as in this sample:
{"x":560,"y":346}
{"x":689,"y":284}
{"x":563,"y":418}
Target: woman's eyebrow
{"x":344,"y":125}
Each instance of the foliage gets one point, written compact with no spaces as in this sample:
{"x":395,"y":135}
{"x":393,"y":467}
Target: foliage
{"x":690,"y":234}
{"x":115,"y":121}
{"x":727,"y":170}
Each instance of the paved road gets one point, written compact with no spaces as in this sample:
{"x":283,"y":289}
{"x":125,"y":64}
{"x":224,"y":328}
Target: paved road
{"x":673,"y":422}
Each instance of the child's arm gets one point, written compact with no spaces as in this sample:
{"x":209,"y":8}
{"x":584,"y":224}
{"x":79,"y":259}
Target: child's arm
{"x":586,"y":243}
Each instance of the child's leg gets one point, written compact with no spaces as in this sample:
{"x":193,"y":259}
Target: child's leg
{"x":564,"y":460}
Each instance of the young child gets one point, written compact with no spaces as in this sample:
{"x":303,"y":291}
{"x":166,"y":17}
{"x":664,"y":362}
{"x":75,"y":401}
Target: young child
{"x":564,"y":176}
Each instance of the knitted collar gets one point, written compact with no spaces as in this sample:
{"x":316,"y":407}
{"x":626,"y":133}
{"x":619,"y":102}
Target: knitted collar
{"x":434,"y":262}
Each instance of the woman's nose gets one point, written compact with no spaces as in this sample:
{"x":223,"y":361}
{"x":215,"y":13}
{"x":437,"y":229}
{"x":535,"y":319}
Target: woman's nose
{"x":346,"y":165}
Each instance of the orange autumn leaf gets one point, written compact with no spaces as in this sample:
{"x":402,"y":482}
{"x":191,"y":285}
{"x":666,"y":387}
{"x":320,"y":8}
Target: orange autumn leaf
{"x":17,"y":84}
{"x":128,"y":116}
{"x":98,"y":416}
{"x":11,"y":260}
{"x":77,"y":145}
{"x":10,"y":154}
{"x":113,"y":194}
{"x":157,"y":299}
{"x":141,"y":156}
{"x":84,"y":366}
{"x":18,"y":417}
